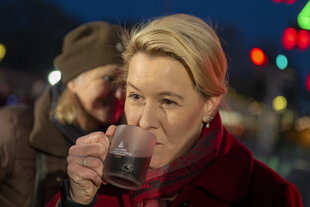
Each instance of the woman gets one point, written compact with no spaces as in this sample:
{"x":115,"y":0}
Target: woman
{"x":87,"y":99}
{"x":176,"y":78}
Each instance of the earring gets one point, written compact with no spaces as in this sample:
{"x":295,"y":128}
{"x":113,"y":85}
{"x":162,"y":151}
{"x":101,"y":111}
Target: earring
{"x":206,"y":124}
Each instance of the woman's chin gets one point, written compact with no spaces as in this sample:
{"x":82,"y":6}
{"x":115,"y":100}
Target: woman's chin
{"x":156,"y":163}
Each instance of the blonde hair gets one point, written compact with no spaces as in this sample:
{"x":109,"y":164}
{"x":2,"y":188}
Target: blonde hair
{"x":189,"y":40}
{"x":67,"y":107}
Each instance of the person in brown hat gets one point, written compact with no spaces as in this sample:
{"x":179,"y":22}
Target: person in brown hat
{"x":88,"y":98}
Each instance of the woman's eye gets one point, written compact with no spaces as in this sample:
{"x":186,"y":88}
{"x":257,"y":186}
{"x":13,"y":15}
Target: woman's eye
{"x":169,"y":103}
{"x":108,"y":78}
{"x":135,"y":96}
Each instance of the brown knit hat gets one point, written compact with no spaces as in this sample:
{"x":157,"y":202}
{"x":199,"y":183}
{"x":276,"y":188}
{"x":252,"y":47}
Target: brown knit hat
{"x":89,"y":46}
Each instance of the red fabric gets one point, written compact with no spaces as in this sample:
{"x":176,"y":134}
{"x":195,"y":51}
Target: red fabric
{"x":270,"y":186}
{"x":233,"y":178}
{"x":53,"y":201}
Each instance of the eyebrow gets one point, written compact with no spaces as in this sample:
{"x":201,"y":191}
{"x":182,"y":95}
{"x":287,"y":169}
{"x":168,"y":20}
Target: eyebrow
{"x":163,"y":93}
{"x":133,"y":86}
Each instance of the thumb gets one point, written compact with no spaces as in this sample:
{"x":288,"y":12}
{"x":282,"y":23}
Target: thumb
{"x":110,"y":131}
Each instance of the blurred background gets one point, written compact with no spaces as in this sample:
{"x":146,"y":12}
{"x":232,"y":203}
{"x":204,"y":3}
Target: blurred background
{"x":268,"y":103}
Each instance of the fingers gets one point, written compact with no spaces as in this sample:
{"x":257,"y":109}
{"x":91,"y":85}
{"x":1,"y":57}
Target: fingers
{"x":84,"y":182}
{"x":95,"y":144}
{"x":95,"y":137}
{"x":90,"y":150}
{"x":93,"y":150}
{"x":110,"y":131}
{"x":85,"y":163}
{"x":92,"y":172}
{"x":92,"y":163}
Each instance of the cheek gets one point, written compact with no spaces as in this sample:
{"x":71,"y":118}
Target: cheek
{"x":86,"y":102}
{"x":131,"y":114}
{"x":100,"y":91}
{"x":88,"y":97}
{"x":91,"y":97}
{"x":186,"y":123}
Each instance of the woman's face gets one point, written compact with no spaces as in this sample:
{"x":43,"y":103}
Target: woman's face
{"x":98,"y":95}
{"x":160,"y":98}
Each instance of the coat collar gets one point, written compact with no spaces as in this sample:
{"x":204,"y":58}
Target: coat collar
{"x":227,"y":177}
{"x":45,"y":136}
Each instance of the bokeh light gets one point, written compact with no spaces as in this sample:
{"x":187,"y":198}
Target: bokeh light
{"x":303,"y":41}
{"x":302,"y":123}
{"x":255,"y":108}
{"x":2,"y":51}
{"x":281,"y":61}
{"x":54,"y":77}
{"x":258,"y":57}
{"x":303,"y":17}
{"x":308,"y":82}
{"x":289,"y":38}
{"x":289,"y":1}
{"x":279,"y":103}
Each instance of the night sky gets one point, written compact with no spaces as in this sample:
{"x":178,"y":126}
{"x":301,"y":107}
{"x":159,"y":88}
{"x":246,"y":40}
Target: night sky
{"x":257,"y":20}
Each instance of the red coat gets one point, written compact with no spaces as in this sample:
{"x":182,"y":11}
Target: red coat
{"x":234,"y":178}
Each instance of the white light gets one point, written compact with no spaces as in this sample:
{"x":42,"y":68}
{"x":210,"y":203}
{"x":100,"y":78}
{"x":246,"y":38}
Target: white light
{"x":303,"y":123}
{"x":230,"y":118}
{"x":54,"y":77}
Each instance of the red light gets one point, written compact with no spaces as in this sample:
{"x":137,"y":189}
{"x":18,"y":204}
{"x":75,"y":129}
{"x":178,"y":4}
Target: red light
{"x":289,"y":1}
{"x":308,"y":82}
{"x":289,"y":38}
{"x":258,"y":57}
{"x":303,"y":40}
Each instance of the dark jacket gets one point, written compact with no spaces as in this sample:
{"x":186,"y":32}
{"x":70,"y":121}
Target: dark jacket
{"x":17,"y":158}
{"x":32,"y":154}
{"x":234,"y":178}
{"x":52,"y":149}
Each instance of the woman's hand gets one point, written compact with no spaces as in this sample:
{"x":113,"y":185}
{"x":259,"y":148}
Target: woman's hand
{"x":85,"y":165}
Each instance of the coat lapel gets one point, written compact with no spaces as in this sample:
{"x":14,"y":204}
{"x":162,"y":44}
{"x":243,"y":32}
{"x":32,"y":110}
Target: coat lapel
{"x":228,"y":176}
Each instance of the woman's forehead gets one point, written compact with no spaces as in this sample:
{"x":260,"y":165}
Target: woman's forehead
{"x":160,"y":72}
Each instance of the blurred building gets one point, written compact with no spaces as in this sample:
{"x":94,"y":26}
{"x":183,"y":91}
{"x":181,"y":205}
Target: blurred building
{"x":20,"y":87}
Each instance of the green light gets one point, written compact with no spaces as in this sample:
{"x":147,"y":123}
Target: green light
{"x":281,"y":61}
{"x":303,"y":18}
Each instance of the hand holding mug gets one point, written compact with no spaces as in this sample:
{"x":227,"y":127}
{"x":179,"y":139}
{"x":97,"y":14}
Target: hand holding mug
{"x":93,"y":161}
{"x":85,"y":165}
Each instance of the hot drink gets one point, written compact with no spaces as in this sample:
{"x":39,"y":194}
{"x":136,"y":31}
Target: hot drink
{"x":125,"y":171}
{"x":129,"y":157}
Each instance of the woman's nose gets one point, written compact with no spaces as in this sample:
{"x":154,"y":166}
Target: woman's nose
{"x":149,"y":117}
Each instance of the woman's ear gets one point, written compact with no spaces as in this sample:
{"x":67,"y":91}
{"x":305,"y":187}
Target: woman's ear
{"x":210,"y":107}
{"x":71,"y":85}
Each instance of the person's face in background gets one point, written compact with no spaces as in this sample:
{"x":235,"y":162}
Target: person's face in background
{"x":98,"y":94}
{"x":160,"y":98}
